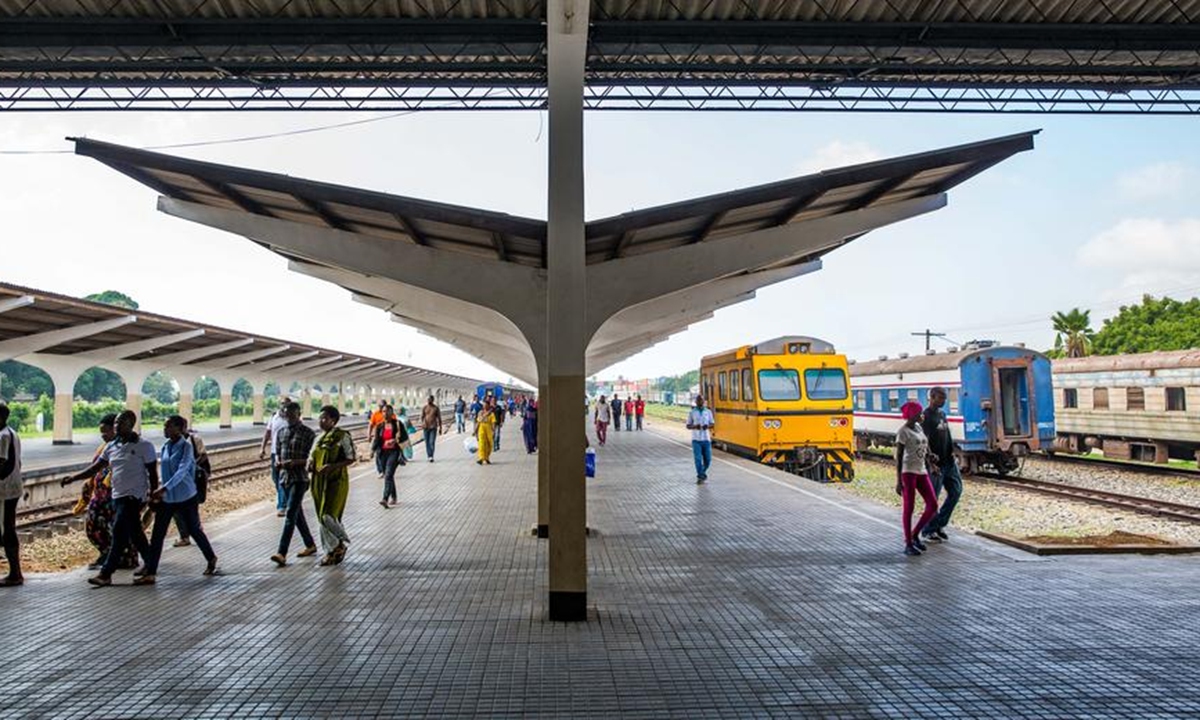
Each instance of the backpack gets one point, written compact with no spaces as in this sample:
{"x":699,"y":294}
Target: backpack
{"x":203,"y":471}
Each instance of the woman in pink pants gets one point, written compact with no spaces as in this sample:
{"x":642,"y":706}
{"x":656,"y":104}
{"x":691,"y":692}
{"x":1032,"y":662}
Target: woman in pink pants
{"x":912,"y":456}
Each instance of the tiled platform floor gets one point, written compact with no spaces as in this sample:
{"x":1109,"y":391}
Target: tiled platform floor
{"x":753,"y":596}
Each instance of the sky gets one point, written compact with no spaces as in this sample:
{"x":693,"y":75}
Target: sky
{"x":1102,"y":210}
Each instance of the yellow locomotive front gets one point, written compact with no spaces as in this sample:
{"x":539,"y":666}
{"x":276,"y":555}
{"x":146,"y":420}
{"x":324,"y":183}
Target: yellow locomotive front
{"x":784,"y":402}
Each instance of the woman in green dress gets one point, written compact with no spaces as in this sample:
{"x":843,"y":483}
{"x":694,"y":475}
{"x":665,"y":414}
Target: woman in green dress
{"x":332,"y":455}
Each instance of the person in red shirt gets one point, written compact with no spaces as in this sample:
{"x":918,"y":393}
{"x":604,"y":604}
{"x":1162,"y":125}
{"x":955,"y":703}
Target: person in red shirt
{"x":629,"y":413}
{"x":639,"y":408}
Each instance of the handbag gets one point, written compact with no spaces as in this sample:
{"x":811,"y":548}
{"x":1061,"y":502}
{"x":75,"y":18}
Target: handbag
{"x":589,"y":463}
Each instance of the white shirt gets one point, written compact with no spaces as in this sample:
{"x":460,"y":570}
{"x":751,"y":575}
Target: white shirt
{"x":10,"y":445}
{"x":603,"y":412}
{"x":701,"y":417}
{"x":128,"y":461}
{"x":915,"y":446}
{"x":278,"y":422}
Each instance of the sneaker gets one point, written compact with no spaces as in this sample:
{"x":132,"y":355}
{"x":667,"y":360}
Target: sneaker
{"x":700,"y":479}
{"x":181,"y":542}
{"x":911,"y":550}
{"x":144,"y":580}
{"x":430,"y":459}
{"x":12,"y":581}
{"x":211,"y":568}
{"x":140,"y":571}
{"x":941,"y":534}
{"x":100,"y":580}
{"x":280,"y":513}
{"x":919,"y":545}
{"x":308,"y":551}
{"x":930,"y":535}
{"x":279,"y":559}
{"x":384,"y":504}
{"x":97,"y":563}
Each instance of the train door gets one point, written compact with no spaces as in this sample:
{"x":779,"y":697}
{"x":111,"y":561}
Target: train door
{"x":1012,"y":417}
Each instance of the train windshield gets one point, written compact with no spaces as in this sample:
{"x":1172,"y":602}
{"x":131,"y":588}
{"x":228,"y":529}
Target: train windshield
{"x":825,"y":384}
{"x":776,"y":385}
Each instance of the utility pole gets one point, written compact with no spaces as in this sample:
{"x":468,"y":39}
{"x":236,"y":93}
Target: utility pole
{"x":929,"y":334}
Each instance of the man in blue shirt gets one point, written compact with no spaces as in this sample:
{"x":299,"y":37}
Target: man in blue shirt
{"x":176,"y":497}
{"x":700,"y":421}
{"x":460,"y":412}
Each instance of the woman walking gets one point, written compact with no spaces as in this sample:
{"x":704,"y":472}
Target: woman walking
{"x":389,"y":434}
{"x":912,"y":457}
{"x":529,"y":426}
{"x":485,"y":421}
{"x":332,"y":455}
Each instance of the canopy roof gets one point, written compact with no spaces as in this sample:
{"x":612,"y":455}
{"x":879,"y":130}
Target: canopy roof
{"x":26,"y":312}
{"x":522,"y":240}
{"x":1129,"y":55}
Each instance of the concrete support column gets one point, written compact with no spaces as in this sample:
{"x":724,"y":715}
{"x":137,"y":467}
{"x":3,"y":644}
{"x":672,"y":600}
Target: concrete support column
{"x":187,"y":388}
{"x":225,"y":415}
{"x":306,"y":403}
{"x":64,"y":406}
{"x":258,"y":411}
{"x":566,"y":309}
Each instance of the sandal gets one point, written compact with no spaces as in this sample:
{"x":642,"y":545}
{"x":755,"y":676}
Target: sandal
{"x":328,"y":560}
{"x":339,"y":554}
{"x":211,"y":568}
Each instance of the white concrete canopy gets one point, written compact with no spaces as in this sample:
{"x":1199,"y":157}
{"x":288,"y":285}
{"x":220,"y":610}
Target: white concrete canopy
{"x":580,"y":294}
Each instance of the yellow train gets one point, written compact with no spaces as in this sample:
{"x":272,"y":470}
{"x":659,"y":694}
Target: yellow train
{"x":786,"y":403}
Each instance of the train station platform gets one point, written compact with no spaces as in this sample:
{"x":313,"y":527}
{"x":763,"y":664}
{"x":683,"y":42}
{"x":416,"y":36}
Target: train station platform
{"x":754,"y":595}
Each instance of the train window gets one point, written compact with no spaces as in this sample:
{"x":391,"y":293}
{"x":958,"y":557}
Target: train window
{"x":735,"y":386}
{"x":1176,"y":400}
{"x":778,"y":385}
{"x":1100,"y":398}
{"x":1070,"y":398}
{"x":825,"y":384}
{"x":722,"y":387}
{"x":877,"y":400}
{"x":1135,"y":398}
{"x":893,"y":401}
{"x":861,"y":402}
{"x":747,"y":386}
{"x":952,"y":400}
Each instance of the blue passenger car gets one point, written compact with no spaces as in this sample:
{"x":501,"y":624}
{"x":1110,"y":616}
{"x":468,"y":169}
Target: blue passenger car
{"x":496,"y":390}
{"x":1000,"y":405}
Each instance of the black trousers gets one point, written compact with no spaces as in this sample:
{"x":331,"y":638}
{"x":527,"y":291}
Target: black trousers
{"x":8,"y":534}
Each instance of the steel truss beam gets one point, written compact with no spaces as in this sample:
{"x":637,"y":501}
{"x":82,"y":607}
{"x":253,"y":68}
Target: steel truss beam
{"x":844,"y":98}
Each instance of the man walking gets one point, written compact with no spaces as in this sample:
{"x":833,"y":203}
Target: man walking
{"x":271,"y":438}
{"x":177,"y":497}
{"x":617,"y":407}
{"x":639,"y":409}
{"x":601,"y":416}
{"x":700,"y":421}
{"x":945,"y":467}
{"x":431,"y":425}
{"x":460,"y":415}
{"x":377,"y":419}
{"x":134,"y":465}
{"x":629,"y":413}
{"x":295,"y":444}
{"x":11,"y":489}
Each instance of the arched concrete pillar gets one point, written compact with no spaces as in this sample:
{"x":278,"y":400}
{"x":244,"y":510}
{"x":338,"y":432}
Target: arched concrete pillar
{"x":187,"y":378}
{"x":225,"y":383}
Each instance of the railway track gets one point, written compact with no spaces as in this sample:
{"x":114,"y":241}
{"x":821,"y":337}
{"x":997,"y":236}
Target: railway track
{"x":1136,"y":467}
{"x":1119,"y":501}
{"x":1131,"y":503}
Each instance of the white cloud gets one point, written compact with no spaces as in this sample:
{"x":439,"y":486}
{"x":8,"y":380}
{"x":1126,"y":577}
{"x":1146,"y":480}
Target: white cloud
{"x":1158,"y":180}
{"x":1155,"y":256}
{"x":836,"y":154}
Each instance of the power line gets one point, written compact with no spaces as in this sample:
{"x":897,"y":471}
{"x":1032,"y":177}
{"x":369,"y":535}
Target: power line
{"x":929,"y":334}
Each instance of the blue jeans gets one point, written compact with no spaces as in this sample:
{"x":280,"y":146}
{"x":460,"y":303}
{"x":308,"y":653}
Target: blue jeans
{"x":496,"y":439}
{"x":187,"y":516}
{"x":617,"y":421}
{"x":430,"y":442}
{"x":126,"y":529}
{"x":280,"y":492}
{"x":702,"y":455}
{"x":951,"y":479}
{"x":295,"y":518}
{"x":628,"y":421}
{"x":459,"y":423}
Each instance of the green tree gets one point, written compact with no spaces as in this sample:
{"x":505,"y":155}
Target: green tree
{"x":160,"y":387}
{"x":20,"y":379}
{"x":1073,"y":332}
{"x":1155,"y":324}
{"x":113,"y":297}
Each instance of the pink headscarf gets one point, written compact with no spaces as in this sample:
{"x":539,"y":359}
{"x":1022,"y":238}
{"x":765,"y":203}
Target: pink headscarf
{"x":910,"y":410}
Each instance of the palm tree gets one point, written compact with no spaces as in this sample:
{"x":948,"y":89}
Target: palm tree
{"x":1074,"y":334}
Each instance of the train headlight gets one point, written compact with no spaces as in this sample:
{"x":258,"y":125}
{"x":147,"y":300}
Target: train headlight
{"x":772,"y":424}
{"x":838,"y":422}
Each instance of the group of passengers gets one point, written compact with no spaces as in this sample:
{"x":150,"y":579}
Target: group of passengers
{"x":489,"y":415}
{"x":609,"y":412}
{"x":925,"y":464}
